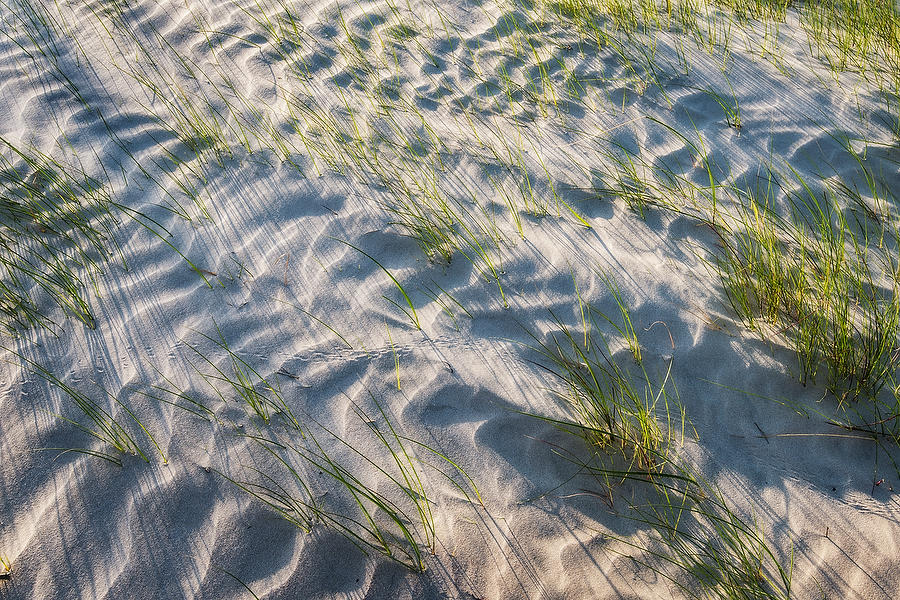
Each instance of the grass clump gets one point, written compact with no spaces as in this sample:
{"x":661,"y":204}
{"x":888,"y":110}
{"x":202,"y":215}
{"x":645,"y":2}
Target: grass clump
{"x":103,"y":424}
{"x":705,"y":548}
{"x":697,"y":541}
{"x":731,"y":108}
{"x":260,"y":396}
{"x":627,"y":180}
{"x":57,"y":233}
{"x":55,"y":228}
{"x":371,"y":489}
{"x":857,"y":35}
{"x":610,"y":409}
{"x":816,"y":279}
{"x":861,"y":36}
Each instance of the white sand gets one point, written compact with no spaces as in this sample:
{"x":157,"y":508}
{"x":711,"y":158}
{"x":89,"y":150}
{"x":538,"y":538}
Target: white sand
{"x":76,"y":526}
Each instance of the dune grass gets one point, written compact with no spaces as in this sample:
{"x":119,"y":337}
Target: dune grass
{"x":810,"y":276}
{"x":696,"y":541}
{"x":858,"y":35}
{"x":262,"y":397}
{"x":706,"y":549}
{"x":411,"y":313}
{"x":102,"y":423}
{"x":611,"y":408}
{"x":379,"y":479}
{"x":56,"y":232}
{"x":816,"y":279}
{"x":169,"y":393}
{"x":369,"y":486}
{"x":731,"y":107}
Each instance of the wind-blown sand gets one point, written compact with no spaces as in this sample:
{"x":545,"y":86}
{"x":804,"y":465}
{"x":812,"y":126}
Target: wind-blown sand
{"x":272,"y":248}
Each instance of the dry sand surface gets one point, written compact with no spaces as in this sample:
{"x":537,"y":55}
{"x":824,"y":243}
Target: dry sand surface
{"x":337,"y":236}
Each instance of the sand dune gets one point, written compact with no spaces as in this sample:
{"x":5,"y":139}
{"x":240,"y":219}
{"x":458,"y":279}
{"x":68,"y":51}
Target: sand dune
{"x":339,"y":235}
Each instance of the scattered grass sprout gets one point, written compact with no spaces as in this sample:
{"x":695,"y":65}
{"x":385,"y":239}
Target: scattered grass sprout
{"x":411,"y":313}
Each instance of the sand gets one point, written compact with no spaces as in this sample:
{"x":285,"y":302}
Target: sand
{"x":272,"y":250}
